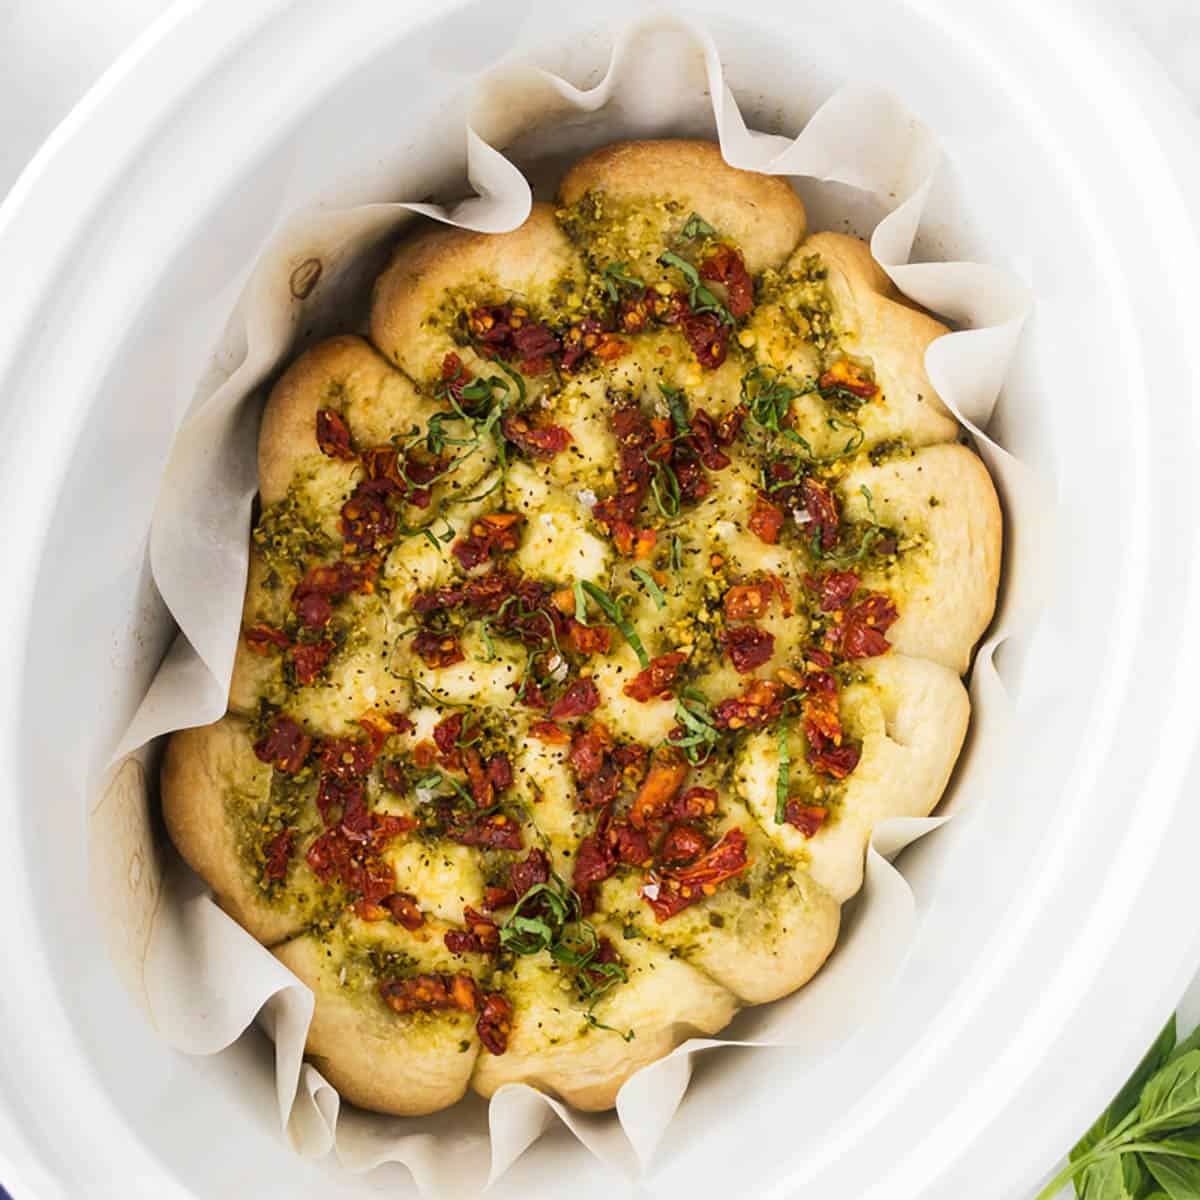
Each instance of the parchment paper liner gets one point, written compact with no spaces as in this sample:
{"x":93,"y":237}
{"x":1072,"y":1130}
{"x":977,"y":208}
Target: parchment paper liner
{"x":202,"y":979}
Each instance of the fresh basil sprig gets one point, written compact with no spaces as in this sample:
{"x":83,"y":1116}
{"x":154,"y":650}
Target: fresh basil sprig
{"x":1146,"y":1144}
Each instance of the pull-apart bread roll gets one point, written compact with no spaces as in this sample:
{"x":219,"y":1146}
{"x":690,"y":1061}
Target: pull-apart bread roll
{"x":599,"y":608}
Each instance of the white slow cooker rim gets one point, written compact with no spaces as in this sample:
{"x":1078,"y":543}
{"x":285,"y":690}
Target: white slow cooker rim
{"x":79,"y":161}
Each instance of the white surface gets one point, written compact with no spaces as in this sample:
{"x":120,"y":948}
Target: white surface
{"x":97,"y":301}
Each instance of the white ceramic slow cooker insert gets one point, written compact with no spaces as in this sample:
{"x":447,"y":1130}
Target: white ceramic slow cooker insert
{"x":1053,"y":938}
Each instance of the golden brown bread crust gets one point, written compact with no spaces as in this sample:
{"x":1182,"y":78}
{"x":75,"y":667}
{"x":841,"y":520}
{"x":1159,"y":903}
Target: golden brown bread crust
{"x":760,"y":213}
{"x":406,"y":1066}
{"x":910,"y":716}
{"x":555,"y":1048}
{"x":201,"y":769}
{"x":753,"y":936}
{"x":525,"y":266}
{"x":894,"y":334}
{"x":944,"y":496}
{"x":344,"y":373}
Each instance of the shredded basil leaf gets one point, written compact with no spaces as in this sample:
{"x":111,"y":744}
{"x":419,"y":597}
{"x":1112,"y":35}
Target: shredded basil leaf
{"x":656,"y":593}
{"x":616,"y":277}
{"x":700,"y":299}
{"x":664,"y":488}
{"x":549,"y":917}
{"x":696,"y":227}
{"x":781,"y":781}
{"x":700,"y":736}
{"x":612,"y":610}
{"x":768,"y":398}
{"x":677,"y":405}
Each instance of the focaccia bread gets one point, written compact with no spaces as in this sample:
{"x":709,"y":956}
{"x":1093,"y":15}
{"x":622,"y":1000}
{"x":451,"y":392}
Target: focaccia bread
{"x":599,"y":607}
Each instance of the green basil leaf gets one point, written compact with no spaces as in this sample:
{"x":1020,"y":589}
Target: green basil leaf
{"x":1127,"y":1098}
{"x":781,"y":781}
{"x":656,"y":593}
{"x":1171,"y":1099}
{"x":696,"y":227}
{"x":616,"y":277}
{"x":612,"y":611}
{"x":1178,"y":1177}
{"x":700,"y":299}
{"x":677,"y":406}
{"x":1111,"y":1179}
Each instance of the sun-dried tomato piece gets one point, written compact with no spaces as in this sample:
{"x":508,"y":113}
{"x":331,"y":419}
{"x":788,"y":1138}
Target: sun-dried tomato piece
{"x":313,"y":594}
{"x":580,"y":698}
{"x":745,"y":601}
{"x":285,"y":745}
{"x":346,"y":759}
{"x":404,"y":910}
{"x":822,"y":509}
{"x":542,"y":442}
{"x":833,"y":589}
{"x":547,"y":731}
{"x":695,"y":804}
{"x":481,"y":936}
{"x":589,"y":748}
{"x":837,"y":761}
{"x":278,"y":854}
{"x":495,"y":1023}
{"x":631,"y":541}
{"x":760,"y":703}
{"x":848,"y":376}
{"x":748,"y":647}
{"x":380,"y":726}
{"x":601,"y":789}
{"x":499,"y":771}
{"x":668,"y":770}
{"x":529,"y":872}
{"x":635,"y":437}
{"x":657,"y":678}
{"x":447,"y":732}
{"x":498,"y":897}
{"x":861,"y":633}
{"x":382,"y":467}
{"x":672,"y":889}
{"x":309,"y":659}
{"x":535,"y":345}
{"x":766,"y":520}
{"x":708,"y":338}
{"x":681,"y":844}
{"x":492,"y":534}
{"x":262,"y":638}
{"x":590,"y":639}
{"x":725,"y":265}
{"x":428,"y":993}
{"x":579,"y":341}
{"x":496,"y":830}
{"x":437,"y":650}
{"x":333,"y":435}
{"x":425,"y":754}
{"x":422,"y":473}
{"x":807,"y":818}
{"x":367,"y":520}
{"x":595,"y":861}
